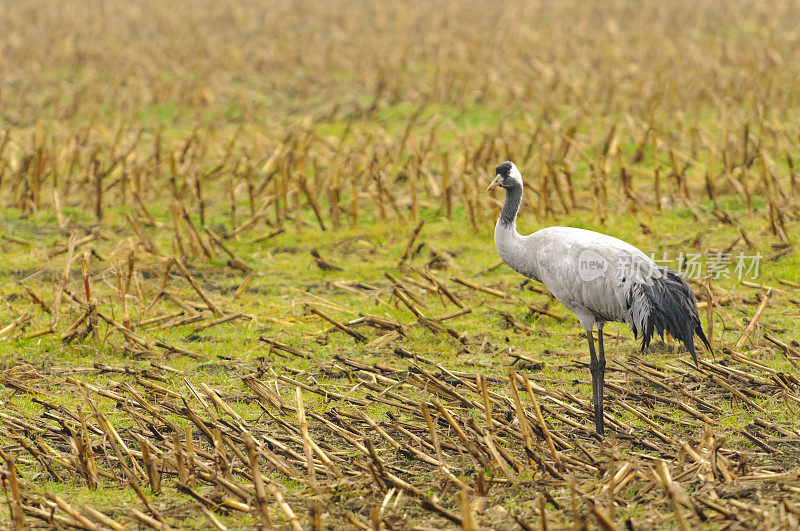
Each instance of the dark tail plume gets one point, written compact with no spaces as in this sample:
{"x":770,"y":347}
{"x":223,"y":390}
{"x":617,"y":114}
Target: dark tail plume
{"x":668,"y":305}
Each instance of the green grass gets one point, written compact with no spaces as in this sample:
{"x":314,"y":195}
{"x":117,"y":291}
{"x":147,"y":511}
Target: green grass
{"x":298,"y":78}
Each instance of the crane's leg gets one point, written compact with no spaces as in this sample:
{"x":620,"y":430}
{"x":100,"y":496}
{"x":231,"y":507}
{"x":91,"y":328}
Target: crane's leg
{"x":597,"y":383}
{"x":602,"y":363}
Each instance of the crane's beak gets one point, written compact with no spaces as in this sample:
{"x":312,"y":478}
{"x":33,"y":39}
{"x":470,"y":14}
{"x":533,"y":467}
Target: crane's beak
{"x":497,"y":180}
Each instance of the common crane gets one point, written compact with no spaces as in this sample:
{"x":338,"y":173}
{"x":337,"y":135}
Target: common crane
{"x":599,"y":278}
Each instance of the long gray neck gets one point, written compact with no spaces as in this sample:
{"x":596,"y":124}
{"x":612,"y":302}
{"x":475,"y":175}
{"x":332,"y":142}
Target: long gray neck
{"x":515,"y":250}
{"x":508,"y":216}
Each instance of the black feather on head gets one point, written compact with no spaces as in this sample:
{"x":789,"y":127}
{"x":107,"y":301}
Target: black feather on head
{"x":503,"y":168}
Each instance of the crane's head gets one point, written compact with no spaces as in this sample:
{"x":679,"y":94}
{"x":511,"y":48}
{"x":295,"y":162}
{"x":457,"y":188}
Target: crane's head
{"x":506,"y":175}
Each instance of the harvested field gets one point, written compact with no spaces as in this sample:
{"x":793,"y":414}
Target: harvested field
{"x":248,"y":277}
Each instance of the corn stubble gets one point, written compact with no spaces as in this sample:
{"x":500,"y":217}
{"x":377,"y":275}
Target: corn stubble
{"x":136,"y":177}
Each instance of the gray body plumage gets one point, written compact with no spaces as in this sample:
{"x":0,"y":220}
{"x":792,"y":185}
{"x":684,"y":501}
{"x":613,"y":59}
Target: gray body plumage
{"x":588,"y":272}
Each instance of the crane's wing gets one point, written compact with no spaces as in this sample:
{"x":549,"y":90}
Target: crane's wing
{"x":590,"y":272}
{"x":601,"y":278}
